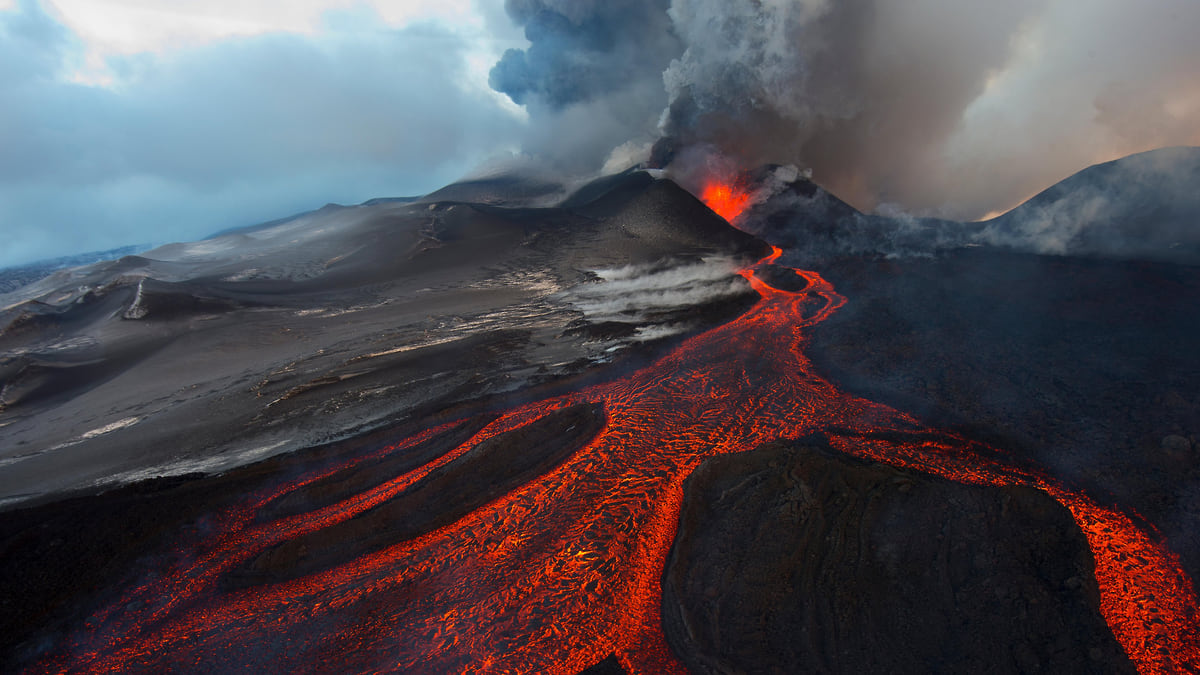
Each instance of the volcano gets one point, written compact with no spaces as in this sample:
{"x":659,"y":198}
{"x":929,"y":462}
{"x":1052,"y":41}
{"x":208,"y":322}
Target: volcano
{"x":513,"y":427}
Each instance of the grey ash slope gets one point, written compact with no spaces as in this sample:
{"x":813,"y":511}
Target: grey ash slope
{"x":202,"y":356}
{"x":1142,"y":207}
{"x":1145,"y":206}
{"x":814,"y":225}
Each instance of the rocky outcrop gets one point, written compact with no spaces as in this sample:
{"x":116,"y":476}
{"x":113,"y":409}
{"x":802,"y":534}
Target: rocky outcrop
{"x":796,"y":559}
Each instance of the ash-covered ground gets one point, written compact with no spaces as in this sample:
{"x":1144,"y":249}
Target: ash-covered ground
{"x":195,"y":358}
{"x":142,"y":396}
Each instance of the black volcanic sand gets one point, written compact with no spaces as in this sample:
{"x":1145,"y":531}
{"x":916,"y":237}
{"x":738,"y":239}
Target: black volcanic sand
{"x":608,"y":666}
{"x":492,"y":468}
{"x":799,"y":559}
{"x":201,"y":357}
{"x":63,"y":560}
{"x":365,"y":475}
{"x":1089,"y":368}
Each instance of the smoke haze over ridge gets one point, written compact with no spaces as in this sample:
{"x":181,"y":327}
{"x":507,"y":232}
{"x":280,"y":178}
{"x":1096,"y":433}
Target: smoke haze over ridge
{"x":933,"y":107}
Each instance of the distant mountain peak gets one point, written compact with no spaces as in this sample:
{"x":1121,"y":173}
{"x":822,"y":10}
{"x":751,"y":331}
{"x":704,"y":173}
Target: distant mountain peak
{"x":1144,"y":206}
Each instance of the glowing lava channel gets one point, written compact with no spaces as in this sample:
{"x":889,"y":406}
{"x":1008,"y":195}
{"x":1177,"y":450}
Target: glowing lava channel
{"x":566,"y":569}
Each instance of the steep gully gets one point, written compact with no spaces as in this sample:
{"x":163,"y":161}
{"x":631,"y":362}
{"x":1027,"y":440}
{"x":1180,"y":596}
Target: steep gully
{"x":564,"y":569}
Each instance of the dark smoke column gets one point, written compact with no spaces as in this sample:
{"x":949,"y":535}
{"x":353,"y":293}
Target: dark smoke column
{"x":591,"y":77}
{"x":866,"y":93}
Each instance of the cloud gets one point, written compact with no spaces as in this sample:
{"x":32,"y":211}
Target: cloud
{"x":1086,"y":83}
{"x":110,"y":27}
{"x":937,"y":107}
{"x":862,"y":92}
{"x":229,"y":132}
{"x":634,"y":292}
{"x":590,"y":77}
{"x":580,"y":51}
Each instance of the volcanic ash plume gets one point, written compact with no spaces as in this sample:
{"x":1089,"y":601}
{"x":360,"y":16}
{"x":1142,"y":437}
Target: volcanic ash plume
{"x":591,"y":77}
{"x":861,"y":91}
{"x":934,"y":107}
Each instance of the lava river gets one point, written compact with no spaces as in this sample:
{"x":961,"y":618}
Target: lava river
{"x":565,"y":569}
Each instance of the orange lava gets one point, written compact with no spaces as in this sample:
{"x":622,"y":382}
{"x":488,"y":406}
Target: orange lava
{"x":1147,"y":600}
{"x":566,"y":569}
{"x":727,"y":200}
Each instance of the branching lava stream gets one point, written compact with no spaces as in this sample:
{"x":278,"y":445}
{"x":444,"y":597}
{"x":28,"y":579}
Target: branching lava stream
{"x":565,"y":569}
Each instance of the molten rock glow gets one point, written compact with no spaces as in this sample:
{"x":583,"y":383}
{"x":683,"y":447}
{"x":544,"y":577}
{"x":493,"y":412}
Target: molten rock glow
{"x":725,"y":199}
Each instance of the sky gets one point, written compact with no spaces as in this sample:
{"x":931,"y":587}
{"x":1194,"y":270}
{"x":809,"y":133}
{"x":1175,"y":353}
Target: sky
{"x":149,"y":121}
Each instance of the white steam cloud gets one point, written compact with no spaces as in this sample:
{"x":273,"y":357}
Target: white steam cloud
{"x":652,"y":297}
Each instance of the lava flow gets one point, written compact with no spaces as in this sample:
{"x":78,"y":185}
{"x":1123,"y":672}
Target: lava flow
{"x":565,"y":569}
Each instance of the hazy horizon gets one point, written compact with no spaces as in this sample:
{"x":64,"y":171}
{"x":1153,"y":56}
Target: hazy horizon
{"x":128,"y":122}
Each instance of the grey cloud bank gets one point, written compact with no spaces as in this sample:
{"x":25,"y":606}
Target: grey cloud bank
{"x":228,"y":134}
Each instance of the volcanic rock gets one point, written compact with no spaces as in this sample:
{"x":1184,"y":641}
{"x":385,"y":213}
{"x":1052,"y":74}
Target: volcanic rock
{"x":489,"y":470}
{"x":1080,"y":365}
{"x":367,"y":475}
{"x":1144,"y":207}
{"x":814,"y":225}
{"x":1178,"y":450}
{"x":1176,"y":444}
{"x":609,"y":666}
{"x":792,"y":558}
